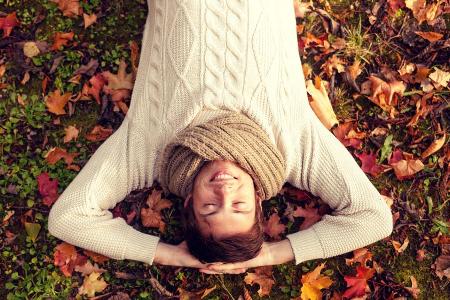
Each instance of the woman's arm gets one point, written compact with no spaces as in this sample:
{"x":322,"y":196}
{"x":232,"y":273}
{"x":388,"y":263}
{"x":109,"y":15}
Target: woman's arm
{"x":327,"y":169}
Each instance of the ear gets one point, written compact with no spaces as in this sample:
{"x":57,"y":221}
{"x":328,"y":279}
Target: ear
{"x":186,"y":201}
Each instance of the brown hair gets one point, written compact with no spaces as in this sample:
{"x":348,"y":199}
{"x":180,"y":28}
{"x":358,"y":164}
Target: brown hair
{"x":235,"y":248}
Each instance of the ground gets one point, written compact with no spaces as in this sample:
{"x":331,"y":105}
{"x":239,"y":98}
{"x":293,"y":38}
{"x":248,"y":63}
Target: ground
{"x":385,"y":68}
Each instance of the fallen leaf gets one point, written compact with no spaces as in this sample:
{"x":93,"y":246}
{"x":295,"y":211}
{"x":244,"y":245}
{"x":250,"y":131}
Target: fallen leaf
{"x":88,"y":268}
{"x":187,"y":295}
{"x":99,"y":133}
{"x":320,"y":103}
{"x":67,"y":258}
{"x":8,"y":23}
{"x":352,"y":72}
{"x":429,"y":36}
{"x":96,"y":257}
{"x":92,"y":285}
{"x":48,"y":189}
{"x":151,"y":216}
{"x":273,"y":227}
{"x":311,"y":216}
{"x":301,"y":8}
{"x":441,"y":265}
{"x":88,"y":69}
{"x":263,"y":277}
{"x":55,"y":154}
{"x":396,"y":5}
{"x":348,"y":136}
{"x":334,"y":63}
{"x":71,"y":133}
{"x":69,"y":8}
{"x":118,"y":85}
{"x":89,"y":20}
{"x":435,"y":146}
{"x":369,"y":164}
{"x":30,"y":49}
{"x":93,"y":87}
{"x":32,"y":230}
{"x":420,"y":254}
{"x":313,"y":283}
{"x":406,"y":168}
{"x":61,"y":39}
{"x":441,"y":77}
{"x":413,"y":290}
{"x":399,"y":248}
{"x":55,"y":102}
{"x":422,"y":110}
{"x":357,"y":285}
{"x":362,"y":256}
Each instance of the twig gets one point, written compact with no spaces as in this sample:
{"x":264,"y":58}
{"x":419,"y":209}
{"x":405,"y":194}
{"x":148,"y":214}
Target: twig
{"x":224,"y":287}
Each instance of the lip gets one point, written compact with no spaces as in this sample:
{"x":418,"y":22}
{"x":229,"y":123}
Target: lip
{"x":222,"y":180}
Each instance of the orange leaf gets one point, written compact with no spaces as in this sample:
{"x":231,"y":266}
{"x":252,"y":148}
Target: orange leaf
{"x":413,"y":290}
{"x":385,"y":94}
{"x":61,"y":39}
{"x":347,"y":135}
{"x":399,"y":248}
{"x":357,"y":286}
{"x":320,"y":103}
{"x":405,"y":169}
{"x":71,"y":133}
{"x":334,"y":63}
{"x":362,"y":255}
{"x":88,"y":268}
{"x":55,"y":154}
{"x":99,"y":133}
{"x":121,"y":80}
{"x":55,"y":102}
{"x":89,"y":20}
{"x":66,"y":258}
{"x":263,"y":277}
{"x":434,"y":147}
{"x":430,"y":36}
{"x":273,"y":228}
{"x":8,"y":23}
{"x":151,"y":216}
{"x":313,"y":282}
{"x":92,"y":284}
{"x":69,"y":8}
{"x":96,"y":257}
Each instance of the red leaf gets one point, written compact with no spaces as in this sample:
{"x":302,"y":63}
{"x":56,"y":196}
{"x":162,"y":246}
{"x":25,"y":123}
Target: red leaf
{"x":311,"y":216}
{"x":370,"y":165}
{"x":348,"y":136}
{"x":48,"y":189}
{"x":8,"y":23}
{"x":99,"y":133}
{"x":61,"y":39}
{"x":93,"y":88}
{"x":357,"y":286}
{"x":66,"y":258}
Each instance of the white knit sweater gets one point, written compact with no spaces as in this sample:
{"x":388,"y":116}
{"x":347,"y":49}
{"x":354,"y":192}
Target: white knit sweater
{"x":199,"y":58}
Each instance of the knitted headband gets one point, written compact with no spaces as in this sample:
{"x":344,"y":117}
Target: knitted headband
{"x":233,"y":137}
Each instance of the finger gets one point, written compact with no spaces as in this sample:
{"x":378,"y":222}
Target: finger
{"x":206,"y":271}
{"x":227,"y":267}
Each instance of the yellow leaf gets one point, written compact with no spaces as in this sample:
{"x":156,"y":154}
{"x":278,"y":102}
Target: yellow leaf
{"x":32,"y":230}
{"x":91,"y":285}
{"x":313,"y":282}
{"x":440,"y":77}
{"x":321,"y":104}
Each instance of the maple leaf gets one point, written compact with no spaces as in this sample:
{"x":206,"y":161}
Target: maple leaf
{"x":55,"y":102}
{"x":48,"y":189}
{"x":273,"y":227}
{"x":263,"y":277}
{"x":96,"y":257}
{"x":61,"y":39}
{"x":370,"y":165}
{"x":69,"y":8}
{"x":151,"y":216}
{"x":99,"y":133}
{"x":92,"y":285}
{"x":334,"y":63}
{"x":67,"y":258}
{"x":89,"y":20}
{"x":385,"y":94}
{"x":348,"y":136}
{"x":362,"y":255}
{"x":357,"y":285}
{"x":8,"y":23}
{"x":406,"y":168}
{"x":120,"y":84}
{"x":55,"y":154}
{"x":93,"y":87}
{"x":311,"y":216}
{"x":71,"y":133}
{"x":88,"y":268}
{"x":313,"y":283}
{"x":320,"y":103}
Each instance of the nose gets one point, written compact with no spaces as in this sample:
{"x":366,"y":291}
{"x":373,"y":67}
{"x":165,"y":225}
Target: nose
{"x":224,"y":191}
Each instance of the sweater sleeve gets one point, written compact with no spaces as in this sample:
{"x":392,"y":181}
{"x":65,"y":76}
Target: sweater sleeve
{"x":81,"y":214}
{"x":326,"y":169}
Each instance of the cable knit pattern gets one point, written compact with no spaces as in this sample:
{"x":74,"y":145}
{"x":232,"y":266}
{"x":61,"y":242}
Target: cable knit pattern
{"x":201,"y":59}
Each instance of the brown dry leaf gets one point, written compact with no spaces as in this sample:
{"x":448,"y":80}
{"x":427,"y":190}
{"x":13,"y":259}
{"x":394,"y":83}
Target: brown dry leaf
{"x":406,"y":168}
{"x":99,"y":133}
{"x":320,"y":103}
{"x":348,"y":136}
{"x":88,"y":268}
{"x":89,"y":20}
{"x":422,"y":109}
{"x":313,"y":283}
{"x":96,"y":257}
{"x":362,"y":255}
{"x":379,"y":131}
{"x":263,"y":277}
{"x":151,"y":216}
{"x":120,"y":84}
{"x":186,"y":295}
{"x":429,"y":36}
{"x":55,"y":154}
{"x":92,"y":285}
{"x":21,"y":100}
{"x":273,"y":227}
{"x":434,"y":147}
{"x":307,"y":70}
{"x":30,"y":49}
{"x":26,"y":78}
{"x":55,"y":102}
{"x":69,"y":8}
{"x":385,"y":95}
{"x":441,"y":77}
{"x":71,"y":133}
{"x":301,"y":8}
{"x":61,"y":39}
{"x":352,"y":72}
{"x":334,"y":63}
{"x":413,"y":290}
{"x":399,"y":248}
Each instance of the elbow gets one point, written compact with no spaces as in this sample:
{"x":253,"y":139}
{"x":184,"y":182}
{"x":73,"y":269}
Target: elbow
{"x":385,"y":222}
{"x":52,"y":222}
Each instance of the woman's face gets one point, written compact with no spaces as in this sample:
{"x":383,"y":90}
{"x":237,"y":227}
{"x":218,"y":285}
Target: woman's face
{"x":223,"y":206}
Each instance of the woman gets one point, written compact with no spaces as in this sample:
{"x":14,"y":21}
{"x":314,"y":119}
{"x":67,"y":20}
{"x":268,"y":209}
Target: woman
{"x":220,"y":90}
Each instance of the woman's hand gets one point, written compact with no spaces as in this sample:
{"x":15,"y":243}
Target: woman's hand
{"x":176,"y":255}
{"x":270,"y":254}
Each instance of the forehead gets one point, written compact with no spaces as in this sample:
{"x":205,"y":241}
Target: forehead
{"x":222,"y":225}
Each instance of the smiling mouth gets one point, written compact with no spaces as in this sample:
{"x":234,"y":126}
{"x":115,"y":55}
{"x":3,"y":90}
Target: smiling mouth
{"x":227,"y":178}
